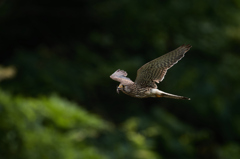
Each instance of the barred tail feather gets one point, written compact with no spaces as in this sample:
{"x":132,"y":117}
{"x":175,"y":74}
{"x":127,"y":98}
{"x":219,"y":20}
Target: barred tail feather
{"x":159,"y":93}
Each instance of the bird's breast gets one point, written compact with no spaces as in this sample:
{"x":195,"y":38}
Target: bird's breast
{"x":138,"y":92}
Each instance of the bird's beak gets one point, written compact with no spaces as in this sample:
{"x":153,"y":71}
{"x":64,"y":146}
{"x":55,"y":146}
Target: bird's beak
{"x":118,"y":89}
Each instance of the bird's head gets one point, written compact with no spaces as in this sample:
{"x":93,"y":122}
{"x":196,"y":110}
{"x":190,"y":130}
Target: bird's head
{"x":120,"y":88}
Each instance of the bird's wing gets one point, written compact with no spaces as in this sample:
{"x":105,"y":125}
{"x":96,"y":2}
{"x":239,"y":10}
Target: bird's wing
{"x":120,"y":76}
{"x":155,"y":70}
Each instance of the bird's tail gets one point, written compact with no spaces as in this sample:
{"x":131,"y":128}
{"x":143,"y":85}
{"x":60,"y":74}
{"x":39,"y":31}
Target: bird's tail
{"x":168,"y":95}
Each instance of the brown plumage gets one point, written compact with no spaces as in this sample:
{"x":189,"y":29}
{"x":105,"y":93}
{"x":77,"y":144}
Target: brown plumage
{"x":149,"y":74}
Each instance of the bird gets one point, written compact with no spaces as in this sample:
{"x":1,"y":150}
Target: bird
{"x":149,"y":74}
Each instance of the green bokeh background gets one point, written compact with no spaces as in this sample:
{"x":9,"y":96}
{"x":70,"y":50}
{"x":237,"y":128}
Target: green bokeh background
{"x":62,"y":104}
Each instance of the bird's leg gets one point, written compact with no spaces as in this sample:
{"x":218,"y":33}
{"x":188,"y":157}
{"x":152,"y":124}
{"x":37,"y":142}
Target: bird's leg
{"x":159,"y":93}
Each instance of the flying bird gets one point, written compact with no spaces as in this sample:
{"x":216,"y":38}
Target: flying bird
{"x":149,"y":74}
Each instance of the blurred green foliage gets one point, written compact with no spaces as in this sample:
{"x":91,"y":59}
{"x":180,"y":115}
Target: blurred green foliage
{"x":71,"y":48}
{"x":47,"y":128}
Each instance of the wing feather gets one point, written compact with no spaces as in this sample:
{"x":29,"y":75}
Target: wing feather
{"x":155,"y":70}
{"x":120,"y":76}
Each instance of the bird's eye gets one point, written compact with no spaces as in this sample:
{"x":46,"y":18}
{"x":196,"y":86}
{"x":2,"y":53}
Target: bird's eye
{"x":121,"y":86}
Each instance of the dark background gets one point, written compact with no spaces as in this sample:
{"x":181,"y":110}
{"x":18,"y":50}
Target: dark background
{"x":61,"y":102}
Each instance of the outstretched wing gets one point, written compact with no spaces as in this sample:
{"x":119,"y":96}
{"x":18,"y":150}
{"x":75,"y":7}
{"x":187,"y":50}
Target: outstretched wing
{"x":155,"y":70}
{"x":120,"y":76}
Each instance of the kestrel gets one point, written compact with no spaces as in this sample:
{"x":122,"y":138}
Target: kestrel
{"x":149,"y":74}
